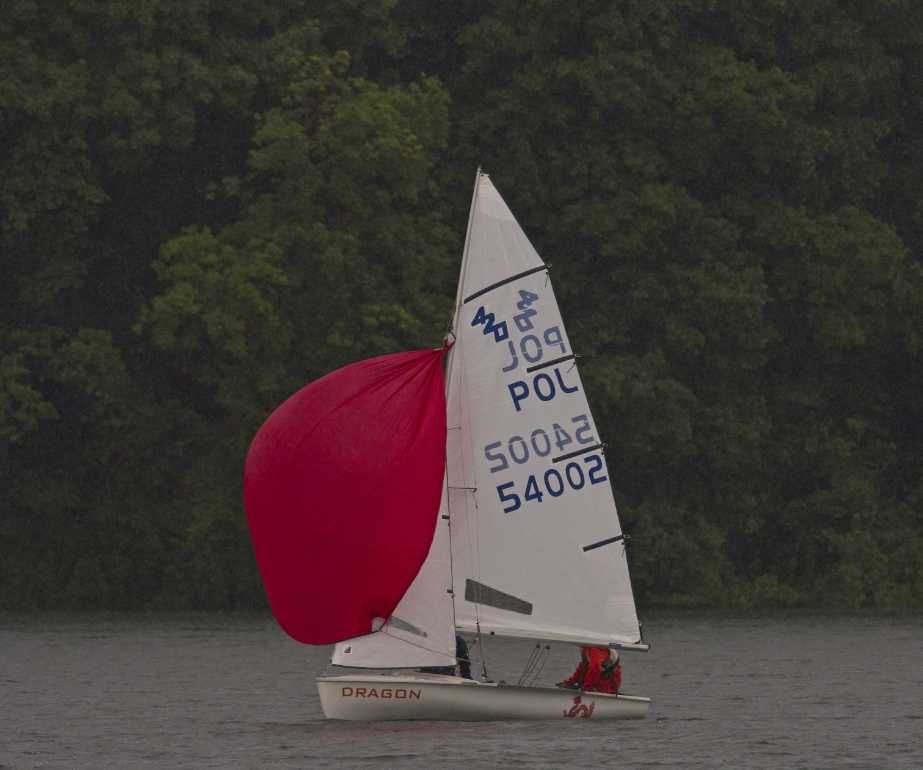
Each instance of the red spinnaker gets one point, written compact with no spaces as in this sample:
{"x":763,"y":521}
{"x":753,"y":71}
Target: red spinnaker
{"x":342,"y":486}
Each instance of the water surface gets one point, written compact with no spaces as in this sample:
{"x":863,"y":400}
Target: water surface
{"x":781,"y":691}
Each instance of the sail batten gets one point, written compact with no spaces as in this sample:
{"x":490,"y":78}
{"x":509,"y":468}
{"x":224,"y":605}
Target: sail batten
{"x":601,"y":543}
{"x":498,"y":284}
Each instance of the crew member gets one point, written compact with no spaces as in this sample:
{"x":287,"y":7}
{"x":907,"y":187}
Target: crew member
{"x":464,"y":662}
{"x":599,"y":670}
{"x":464,"y":659}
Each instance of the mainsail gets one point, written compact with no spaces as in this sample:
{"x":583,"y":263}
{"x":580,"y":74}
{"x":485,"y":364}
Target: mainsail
{"x":342,"y":487}
{"x":537,"y":547}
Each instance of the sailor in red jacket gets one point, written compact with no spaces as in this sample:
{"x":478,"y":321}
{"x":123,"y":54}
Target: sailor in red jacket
{"x":600,"y":670}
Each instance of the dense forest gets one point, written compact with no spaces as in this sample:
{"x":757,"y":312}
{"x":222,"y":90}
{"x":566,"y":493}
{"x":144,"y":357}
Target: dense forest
{"x":205,"y":205}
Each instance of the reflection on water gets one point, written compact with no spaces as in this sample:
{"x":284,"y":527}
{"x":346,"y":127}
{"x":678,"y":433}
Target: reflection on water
{"x":98,"y":691}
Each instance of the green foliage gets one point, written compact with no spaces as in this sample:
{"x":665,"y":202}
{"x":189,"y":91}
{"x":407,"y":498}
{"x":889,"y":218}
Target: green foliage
{"x":678,"y":557}
{"x":23,"y":406}
{"x":203,"y":207}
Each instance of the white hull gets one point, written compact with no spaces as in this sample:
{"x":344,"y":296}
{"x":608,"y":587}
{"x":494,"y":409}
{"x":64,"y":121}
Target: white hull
{"x":372,"y":697}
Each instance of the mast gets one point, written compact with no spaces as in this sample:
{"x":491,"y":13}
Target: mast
{"x":448,"y":379}
{"x":464,"y":259}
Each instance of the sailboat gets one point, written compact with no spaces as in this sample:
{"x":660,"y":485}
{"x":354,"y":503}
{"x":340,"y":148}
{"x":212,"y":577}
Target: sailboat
{"x":404,"y":499}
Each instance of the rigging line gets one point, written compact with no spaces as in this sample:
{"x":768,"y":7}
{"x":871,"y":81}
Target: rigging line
{"x":448,"y":508}
{"x":480,"y":641}
{"x":544,"y":660}
{"x":527,"y":672}
{"x":530,"y":662}
{"x":525,"y":668}
{"x":477,"y":555}
{"x":476,"y":543}
{"x":448,"y":494}
{"x":537,"y":665}
{"x":471,"y":521}
{"x":455,"y":381}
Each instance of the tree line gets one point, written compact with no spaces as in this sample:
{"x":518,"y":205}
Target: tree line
{"x":204,"y":206}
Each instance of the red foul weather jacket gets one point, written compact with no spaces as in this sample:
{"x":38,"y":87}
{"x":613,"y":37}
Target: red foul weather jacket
{"x":593,"y":675}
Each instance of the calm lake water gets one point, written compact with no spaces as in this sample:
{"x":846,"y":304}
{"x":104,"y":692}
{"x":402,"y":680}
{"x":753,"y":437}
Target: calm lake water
{"x":792,"y":691}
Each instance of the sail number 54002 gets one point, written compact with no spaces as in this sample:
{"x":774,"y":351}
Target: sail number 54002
{"x":540,"y":443}
{"x":553,"y":482}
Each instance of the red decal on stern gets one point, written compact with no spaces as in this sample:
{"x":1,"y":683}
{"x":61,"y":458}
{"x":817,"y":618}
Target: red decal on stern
{"x":580,"y":709}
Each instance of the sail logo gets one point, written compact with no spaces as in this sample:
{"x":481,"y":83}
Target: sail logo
{"x":580,"y":709}
{"x":394,"y":693}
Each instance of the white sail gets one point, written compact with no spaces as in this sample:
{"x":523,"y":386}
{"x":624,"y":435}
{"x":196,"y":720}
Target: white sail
{"x":420,"y":632}
{"x":536,"y":543}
